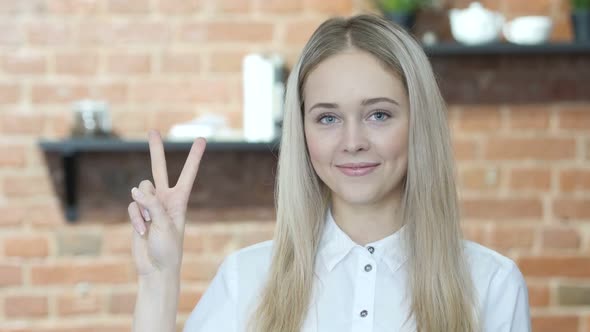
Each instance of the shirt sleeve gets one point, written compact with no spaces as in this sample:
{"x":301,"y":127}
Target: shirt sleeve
{"x":507,"y":308}
{"x":216,"y":310}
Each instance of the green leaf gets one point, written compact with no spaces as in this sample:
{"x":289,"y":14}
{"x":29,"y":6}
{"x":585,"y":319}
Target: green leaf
{"x":580,"y":4}
{"x":400,"y":5}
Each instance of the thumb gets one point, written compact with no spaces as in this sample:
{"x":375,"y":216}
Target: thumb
{"x":151,"y":203}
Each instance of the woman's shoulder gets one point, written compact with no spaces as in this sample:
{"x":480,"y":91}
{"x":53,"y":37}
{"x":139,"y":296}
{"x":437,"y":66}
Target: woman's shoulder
{"x":480,"y":256}
{"x":491,"y":269}
{"x":251,"y":260}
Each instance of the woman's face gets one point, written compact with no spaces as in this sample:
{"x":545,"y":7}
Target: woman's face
{"x":356,"y":125}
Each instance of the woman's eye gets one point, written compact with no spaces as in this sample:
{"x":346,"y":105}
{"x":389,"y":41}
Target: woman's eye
{"x":380,"y":116}
{"x":327,"y":119}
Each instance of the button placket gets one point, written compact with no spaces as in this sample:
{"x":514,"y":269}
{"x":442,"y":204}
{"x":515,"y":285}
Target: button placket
{"x":364,"y":297}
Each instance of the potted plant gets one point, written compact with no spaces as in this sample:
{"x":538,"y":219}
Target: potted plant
{"x":581,"y":20}
{"x":402,"y":12}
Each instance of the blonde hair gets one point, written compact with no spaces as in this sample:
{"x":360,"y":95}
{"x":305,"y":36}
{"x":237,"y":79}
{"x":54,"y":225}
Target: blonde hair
{"x":442,"y":292}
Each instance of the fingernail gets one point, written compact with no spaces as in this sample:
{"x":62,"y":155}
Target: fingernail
{"x":146,"y":215}
{"x":142,"y":229}
{"x":135,"y":192}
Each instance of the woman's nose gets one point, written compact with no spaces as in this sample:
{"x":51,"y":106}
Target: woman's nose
{"x":354,"y":138}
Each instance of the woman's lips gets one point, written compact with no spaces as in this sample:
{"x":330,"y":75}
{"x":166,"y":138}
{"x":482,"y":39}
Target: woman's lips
{"x":359,"y":169}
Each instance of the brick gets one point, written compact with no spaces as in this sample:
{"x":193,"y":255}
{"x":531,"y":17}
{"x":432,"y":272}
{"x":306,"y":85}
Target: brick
{"x":332,"y":7}
{"x":22,"y":124}
{"x":560,"y":238}
{"x":572,"y":208}
{"x":199,"y":270}
{"x":555,"y":266}
{"x":512,"y":237}
{"x":555,"y":323}
{"x":9,"y":93}
{"x":562,"y":28}
{"x":164,"y":120}
{"x":10,"y":275}
{"x":575,"y":118}
{"x":530,"y":149}
{"x":13,"y":155}
{"x":78,"y":243}
{"x":180,"y":63}
{"x":24,"y":63}
{"x":529,"y":178}
{"x":539,"y":295}
{"x":480,"y":178}
{"x":181,"y":7}
{"x":26,"y":185}
{"x":45,"y":215}
{"x":193,"y":32}
{"x":574,"y":180}
{"x":72,"y":304}
{"x":26,"y":306}
{"x":74,"y":272}
{"x":21,"y":7}
{"x":113,"y":92}
{"x":502,"y":209}
{"x":281,"y":6}
{"x":481,"y":118}
{"x":250,"y":32}
{"x":227,"y":61}
{"x":74,"y":7}
{"x":201,"y":90}
{"x":464,"y":149}
{"x":200,"y":241}
{"x":12,"y":215}
{"x":76,"y":63}
{"x":529,"y":7}
{"x":475,"y":233}
{"x":125,"y":33}
{"x":119,"y":240}
{"x":529,"y":117}
{"x":128,"y":6}
{"x":123,"y":63}
{"x":63,"y":93}
{"x":233,"y":6}
{"x":299,"y":32}
{"x":261,"y":233}
{"x":187,"y":301}
{"x":26,"y":246}
{"x":573,"y":295}
{"x":12,"y":34}
{"x":131,"y":123}
{"x":49,"y":33}
{"x":79,"y":326}
{"x":122,"y":303}
{"x":58,"y":125}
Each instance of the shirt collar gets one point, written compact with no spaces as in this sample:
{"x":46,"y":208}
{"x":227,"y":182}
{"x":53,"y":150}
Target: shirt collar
{"x":335,"y":245}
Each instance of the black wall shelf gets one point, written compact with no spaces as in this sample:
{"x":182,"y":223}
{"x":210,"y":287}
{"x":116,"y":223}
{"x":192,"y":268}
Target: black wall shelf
{"x":70,"y":150}
{"x":456,"y":49}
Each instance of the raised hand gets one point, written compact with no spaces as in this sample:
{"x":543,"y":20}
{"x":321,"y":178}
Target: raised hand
{"x":158,"y":212}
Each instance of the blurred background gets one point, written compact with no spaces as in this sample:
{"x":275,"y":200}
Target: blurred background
{"x":82,"y":81}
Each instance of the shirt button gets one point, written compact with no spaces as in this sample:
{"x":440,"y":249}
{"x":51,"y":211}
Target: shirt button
{"x":368,"y":268}
{"x":371,"y":249}
{"x":364,"y":313}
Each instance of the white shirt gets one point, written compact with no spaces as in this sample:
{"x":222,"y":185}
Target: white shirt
{"x":357,"y":288}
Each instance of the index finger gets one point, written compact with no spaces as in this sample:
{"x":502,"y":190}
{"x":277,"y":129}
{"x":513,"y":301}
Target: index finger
{"x":158,"y":159}
{"x":191,"y":166}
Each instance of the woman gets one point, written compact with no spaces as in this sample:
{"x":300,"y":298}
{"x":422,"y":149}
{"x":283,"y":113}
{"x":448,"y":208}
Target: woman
{"x":367,"y":235}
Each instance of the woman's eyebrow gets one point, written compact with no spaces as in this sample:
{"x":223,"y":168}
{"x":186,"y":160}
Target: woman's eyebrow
{"x":372,"y":101}
{"x":323,"y":105}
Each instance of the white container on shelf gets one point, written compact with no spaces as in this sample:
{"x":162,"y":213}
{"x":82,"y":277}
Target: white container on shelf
{"x":258,"y":78}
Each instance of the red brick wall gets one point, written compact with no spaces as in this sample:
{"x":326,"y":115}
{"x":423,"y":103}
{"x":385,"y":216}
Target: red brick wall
{"x":524,"y":171}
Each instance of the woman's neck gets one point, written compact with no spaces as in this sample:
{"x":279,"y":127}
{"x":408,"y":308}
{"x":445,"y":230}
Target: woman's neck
{"x":367,"y":223}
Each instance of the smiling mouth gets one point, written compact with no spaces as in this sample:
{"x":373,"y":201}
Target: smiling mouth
{"x":357,"y":169}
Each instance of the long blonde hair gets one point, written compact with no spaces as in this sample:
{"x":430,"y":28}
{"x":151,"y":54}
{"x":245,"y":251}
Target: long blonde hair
{"x":442,"y":292}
